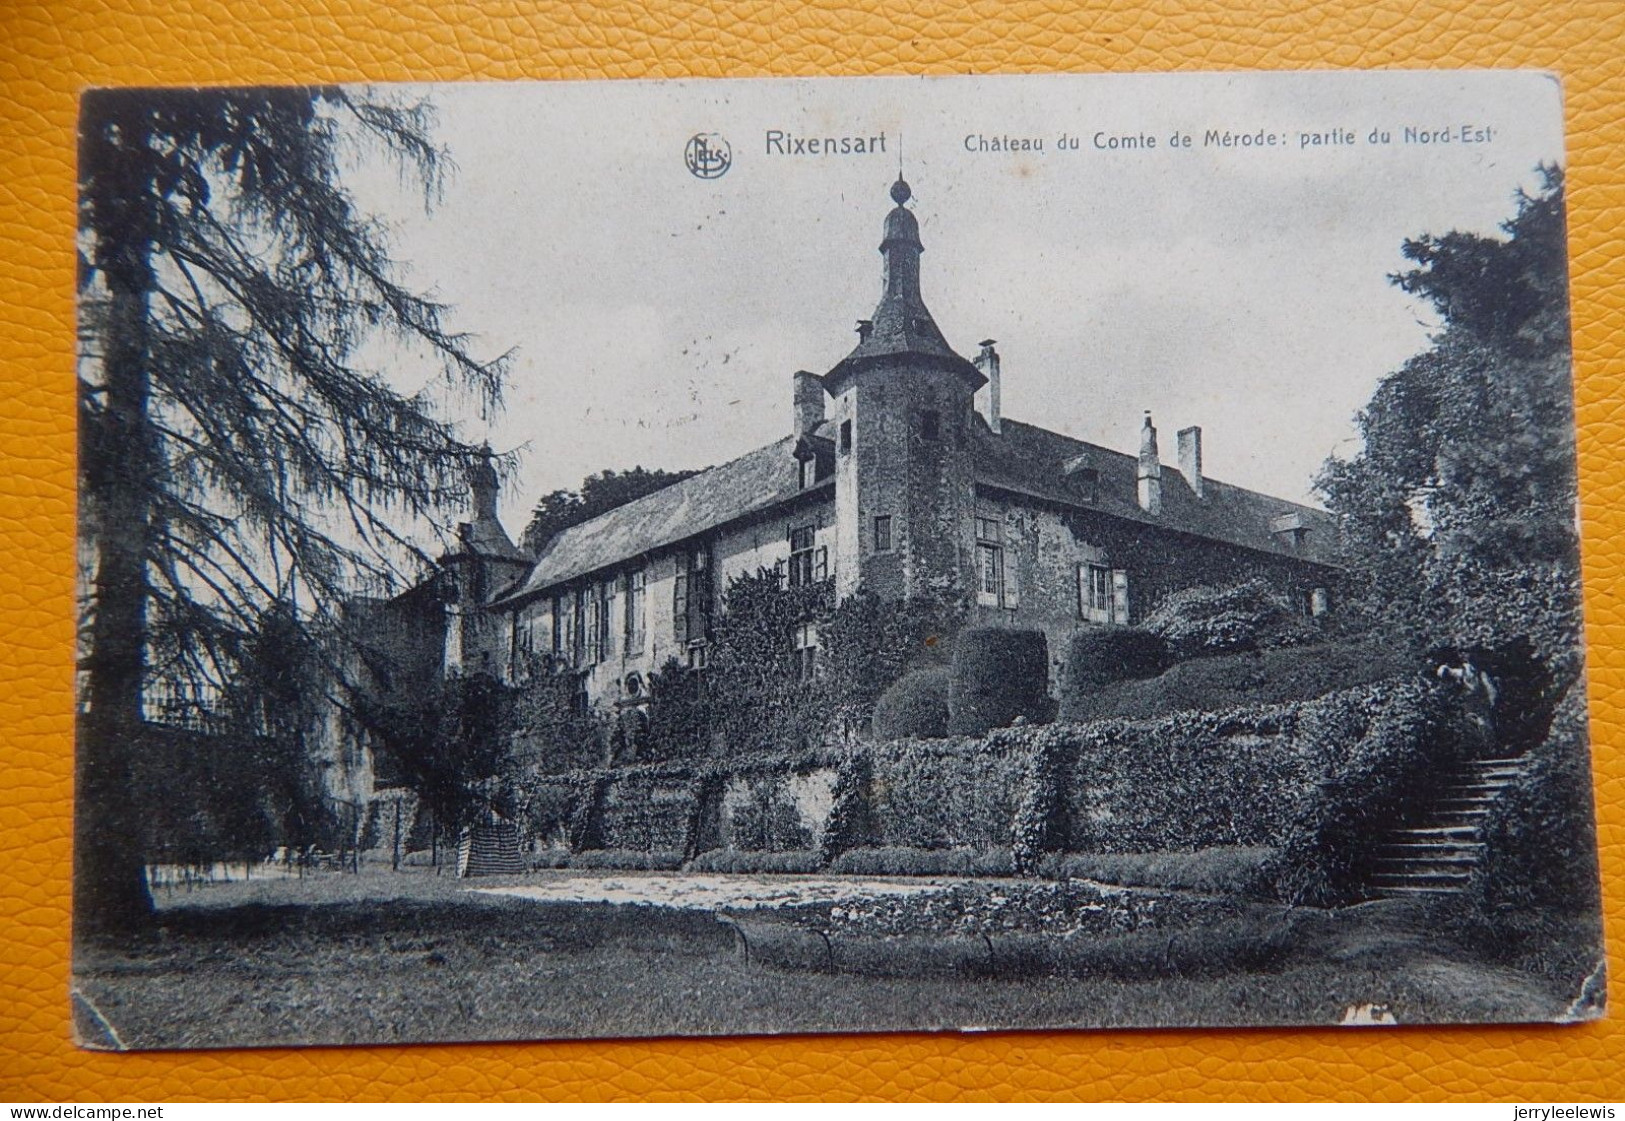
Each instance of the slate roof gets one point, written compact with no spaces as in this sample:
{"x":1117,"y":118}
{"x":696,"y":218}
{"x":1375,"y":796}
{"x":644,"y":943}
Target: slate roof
{"x":1029,"y":460}
{"x":1022,"y":459}
{"x":485,"y":537}
{"x":757,"y":481}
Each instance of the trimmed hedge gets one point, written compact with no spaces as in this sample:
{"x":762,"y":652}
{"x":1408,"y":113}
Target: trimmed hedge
{"x":1222,"y":870}
{"x":626,"y":860}
{"x":902,"y":861}
{"x":940,"y":794}
{"x":999,"y":674}
{"x":915,"y":707}
{"x":1236,"y":680}
{"x":792,"y":862}
{"x":1212,"y":620}
{"x":1101,"y":657}
{"x":1315,"y":780}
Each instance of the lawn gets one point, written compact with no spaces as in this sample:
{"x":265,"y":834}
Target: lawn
{"x":415,"y":957}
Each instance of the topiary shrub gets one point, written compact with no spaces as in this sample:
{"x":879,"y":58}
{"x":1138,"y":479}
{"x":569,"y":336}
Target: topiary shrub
{"x":1103,"y":657}
{"x":916,"y":707}
{"x":1246,"y":678}
{"x":999,"y":674}
{"x":1212,"y":620}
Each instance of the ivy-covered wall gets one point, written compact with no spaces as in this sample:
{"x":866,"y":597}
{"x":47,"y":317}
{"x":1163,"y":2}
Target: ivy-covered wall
{"x":1254,"y":776}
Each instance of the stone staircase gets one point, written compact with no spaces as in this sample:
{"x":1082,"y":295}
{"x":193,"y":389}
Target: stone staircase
{"x":1435,"y":854}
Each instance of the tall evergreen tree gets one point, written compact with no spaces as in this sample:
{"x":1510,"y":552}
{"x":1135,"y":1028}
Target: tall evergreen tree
{"x":235,"y":451}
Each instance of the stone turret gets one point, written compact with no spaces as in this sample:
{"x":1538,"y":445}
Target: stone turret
{"x":902,"y":404}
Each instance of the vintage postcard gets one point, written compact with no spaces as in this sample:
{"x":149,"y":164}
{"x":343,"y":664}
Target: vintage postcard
{"x":658,"y":558}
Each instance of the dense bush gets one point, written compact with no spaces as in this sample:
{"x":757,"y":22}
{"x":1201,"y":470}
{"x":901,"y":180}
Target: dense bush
{"x":1187,"y":781}
{"x":759,"y":813}
{"x":1540,"y":841}
{"x":1211,"y":620}
{"x":587,"y":815}
{"x":647,"y":813}
{"x":1236,"y":680}
{"x":547,"y":810}
{"x":915,"y":707}
{"x":449,"y":743}
{"x":758,"y":697}
{"x":999,"y":674}
{"x":1100,"y":657}
{"x":679,"y":715}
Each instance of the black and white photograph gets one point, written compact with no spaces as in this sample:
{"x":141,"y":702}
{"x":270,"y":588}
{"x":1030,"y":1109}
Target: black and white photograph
{"x":659,"y":558}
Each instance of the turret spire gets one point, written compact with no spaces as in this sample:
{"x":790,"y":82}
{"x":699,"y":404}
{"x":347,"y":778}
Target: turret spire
{"x":901,"y":324}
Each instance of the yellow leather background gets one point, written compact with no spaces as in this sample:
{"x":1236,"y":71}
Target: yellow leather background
{"x":48,"y":52}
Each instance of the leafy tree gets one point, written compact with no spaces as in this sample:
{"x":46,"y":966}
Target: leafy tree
{"x":451,"y":743}
{"x":1458,"y":515}
{"x":599,"y":494}
{"x":235,"y":451}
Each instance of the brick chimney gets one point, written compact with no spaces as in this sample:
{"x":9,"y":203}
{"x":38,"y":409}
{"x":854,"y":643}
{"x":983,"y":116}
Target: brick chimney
{"x":1190,"y":457}
{"x":988,"y":362}
{"x":809,"y":402}
{"x":1150,"y":471}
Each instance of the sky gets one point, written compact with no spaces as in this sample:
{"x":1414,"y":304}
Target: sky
{"x":656,"y":318}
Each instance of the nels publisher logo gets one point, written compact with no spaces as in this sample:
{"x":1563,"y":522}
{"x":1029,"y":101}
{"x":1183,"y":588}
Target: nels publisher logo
{"x":708,"y":155}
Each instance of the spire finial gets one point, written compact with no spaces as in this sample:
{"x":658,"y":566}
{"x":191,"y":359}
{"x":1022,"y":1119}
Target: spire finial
{"x":900,"y":192}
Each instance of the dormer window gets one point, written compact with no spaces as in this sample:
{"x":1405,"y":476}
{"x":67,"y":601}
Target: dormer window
{"x":1290,"y":532}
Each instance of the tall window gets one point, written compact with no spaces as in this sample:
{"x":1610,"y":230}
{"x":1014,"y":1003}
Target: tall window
{"x":809,"y":472}
{"x":846,"y":435}
{"x":882,"y":533}
{"x":804,"y":639}
{"x":691,"y":596}
{"x":989,"y":562}
{"x":809,"y":561}
{"x":637,"y":590}
{"x":595,"y":613}
{"x":578,"y":632}
{"x":596,"y":622}
{"x":1103,"y":594}
{"x":930,"y":425}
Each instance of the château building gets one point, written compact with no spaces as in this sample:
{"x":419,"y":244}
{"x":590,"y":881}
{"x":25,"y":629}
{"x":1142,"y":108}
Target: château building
{"x":899,"y":474}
